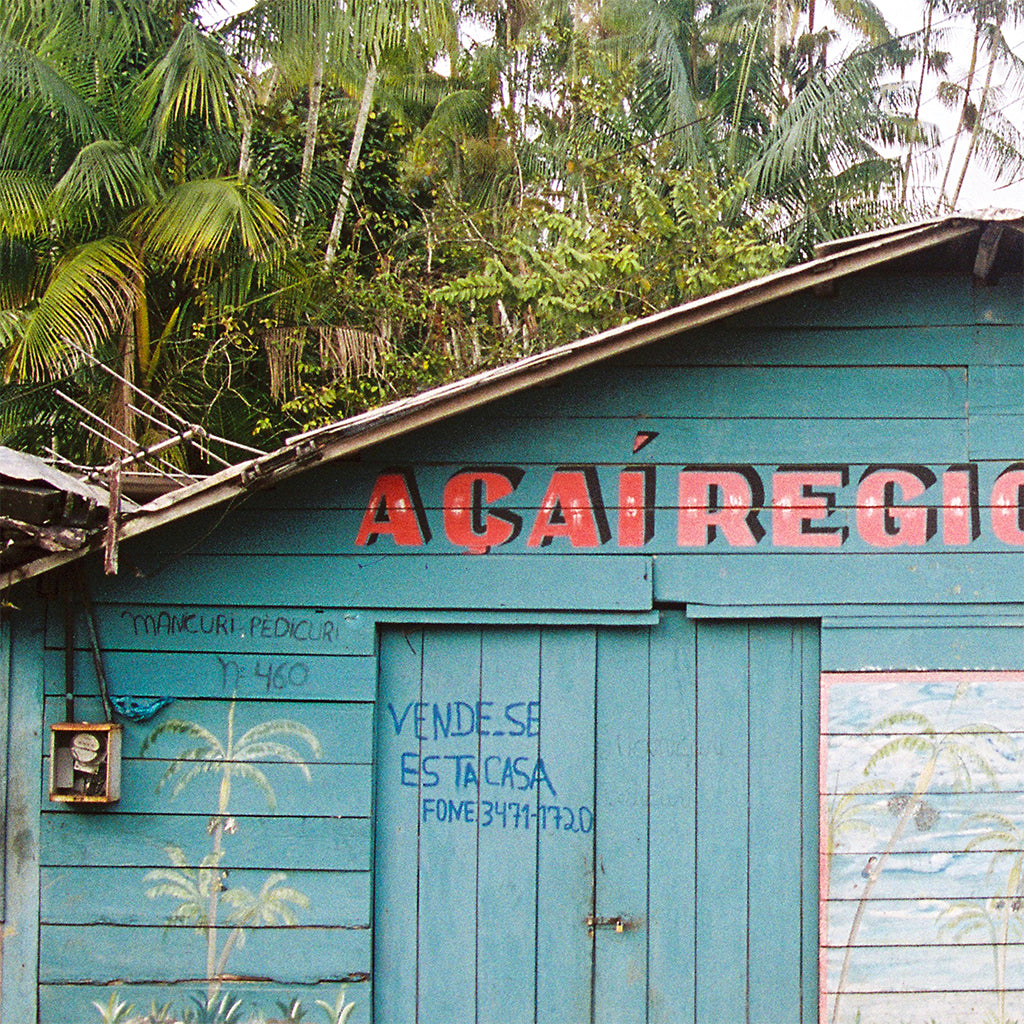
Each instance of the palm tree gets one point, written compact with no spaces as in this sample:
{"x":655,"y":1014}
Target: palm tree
{"x":299,"y":43}
{"x":1000,"y":51}
{"x":119,"y":210}
{"x":932,"y":60}
{"x":1005,"y":838}
{"x":322,"y":41}
{"x":951,"y":752}
{"x":378,"y":30}
{"x":234,"y":758}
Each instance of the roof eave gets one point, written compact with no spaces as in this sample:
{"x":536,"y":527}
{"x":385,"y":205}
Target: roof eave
{"x":351,"y":436}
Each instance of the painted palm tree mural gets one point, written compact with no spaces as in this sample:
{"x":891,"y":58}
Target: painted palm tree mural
{"x":922,"y":895}
{"x":220,"y":913}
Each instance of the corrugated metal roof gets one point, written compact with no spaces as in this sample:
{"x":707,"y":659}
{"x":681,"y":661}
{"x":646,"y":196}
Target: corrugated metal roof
{"x":347,"y":437}
{"x":15,"y":465}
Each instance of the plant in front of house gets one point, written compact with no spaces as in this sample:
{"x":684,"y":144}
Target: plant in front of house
{"x":221,"y":913}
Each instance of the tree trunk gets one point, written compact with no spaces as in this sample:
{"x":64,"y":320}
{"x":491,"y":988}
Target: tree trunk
{"x":777,"y":9}
{"x":925,"y":47}
{"x":260,"y":98}
{"x":245,"y":150}
{"x":119,"y":415}
{"x":979,"y":116}
{"x":223,"y":799}
{"x":316,"y":86}
{"x":365,"y":104}
{"x":963,"y":112}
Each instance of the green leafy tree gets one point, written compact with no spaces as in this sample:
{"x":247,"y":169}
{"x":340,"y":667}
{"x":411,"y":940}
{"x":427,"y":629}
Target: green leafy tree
{"x":119,"y":218}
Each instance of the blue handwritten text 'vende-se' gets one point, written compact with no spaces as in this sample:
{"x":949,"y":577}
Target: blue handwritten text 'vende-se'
{"x":435,"y":721}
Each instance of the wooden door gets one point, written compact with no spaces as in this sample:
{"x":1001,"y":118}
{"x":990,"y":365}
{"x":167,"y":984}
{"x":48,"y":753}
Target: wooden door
{"x":576,"y":825}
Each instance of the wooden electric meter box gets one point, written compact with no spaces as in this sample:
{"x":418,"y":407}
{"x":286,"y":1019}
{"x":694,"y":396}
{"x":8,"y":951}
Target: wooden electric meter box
{"x":85,"y":763}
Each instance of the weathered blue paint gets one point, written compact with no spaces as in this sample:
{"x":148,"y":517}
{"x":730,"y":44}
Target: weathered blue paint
{"x":72,"y":895}
{"x":286,"y":844}
{"x":5,"y":693}
{"x":502,"y":898}
{"x":18,"y":983}
{"x":606,"y":584}
{"x":672,"y":704}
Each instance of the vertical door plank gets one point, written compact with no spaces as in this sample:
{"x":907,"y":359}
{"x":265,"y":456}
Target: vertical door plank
{"x":20,"y":953}
{"x":565,"y":858}
{"x":776,"y":824}
{"x":446,"y":989}
{"x":507,"y":858}
{"x":810,"y":673}
{"x":620,"y":959}
{"x":397,"y":830}
{"x":722,"y":774}
{"x":5,"y":695}
{"x":671,"y":913}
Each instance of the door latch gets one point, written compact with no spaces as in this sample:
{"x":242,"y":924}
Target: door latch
{"x":603,"y":922}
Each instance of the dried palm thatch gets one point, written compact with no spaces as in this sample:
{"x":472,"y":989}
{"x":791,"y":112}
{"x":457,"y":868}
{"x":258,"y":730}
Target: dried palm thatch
{"x":351,"y":351}
{"x":346,"y":351}
{"x":285,"y":347}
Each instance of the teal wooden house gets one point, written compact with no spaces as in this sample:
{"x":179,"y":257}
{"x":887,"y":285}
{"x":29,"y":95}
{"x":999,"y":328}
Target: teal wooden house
{"x":673,"y":676}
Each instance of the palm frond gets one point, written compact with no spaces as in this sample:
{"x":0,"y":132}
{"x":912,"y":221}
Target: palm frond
{"x":23,"y":207}
{"x":904,"y":744}
{"x":820,"y":127}
{"x":183,"y":776}
{"x":280,"y":727}
{"x":273,"y":751}
{"x":87,"y":298}
{"x":865,"y":18}
{"x":195,"y":79}
{"x":257,"y":778}
{"x":181,"y":727}
{"x":201,"y":220}
{"x":27,"y":77}
{"x":106,"y":177}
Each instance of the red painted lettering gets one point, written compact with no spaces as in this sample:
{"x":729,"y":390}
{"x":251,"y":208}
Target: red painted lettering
{"x":726,"y":499}
{"x":572,"y":507}
{"x":884,"y":523}
{"x":466,"y":522}
{"x":1008,"y":505}
{"x":796,"y":505}
{"x":394,"y":510}
{"x":636,"y":506}
{"x":961,"y":516}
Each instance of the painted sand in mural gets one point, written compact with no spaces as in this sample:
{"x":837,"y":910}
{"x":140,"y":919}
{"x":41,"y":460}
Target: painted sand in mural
{"x":922,"y":849}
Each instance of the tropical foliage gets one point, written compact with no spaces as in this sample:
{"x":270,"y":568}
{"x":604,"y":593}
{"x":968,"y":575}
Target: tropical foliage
{"x":317,"y":205}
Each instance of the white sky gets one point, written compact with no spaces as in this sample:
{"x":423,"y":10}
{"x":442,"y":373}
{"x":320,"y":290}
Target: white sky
{"x":979,"y":191}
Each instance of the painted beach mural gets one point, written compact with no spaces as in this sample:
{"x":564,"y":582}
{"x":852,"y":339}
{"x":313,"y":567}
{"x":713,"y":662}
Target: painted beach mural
{"x":230,"y":883}
{"x":922,"y":847}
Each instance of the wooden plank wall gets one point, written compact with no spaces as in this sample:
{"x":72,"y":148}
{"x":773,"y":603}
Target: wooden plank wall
{"x":890,"y":370}
{"x":922,"y":372}
{"x":921,"y":878}
{"x":119,"y":903}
